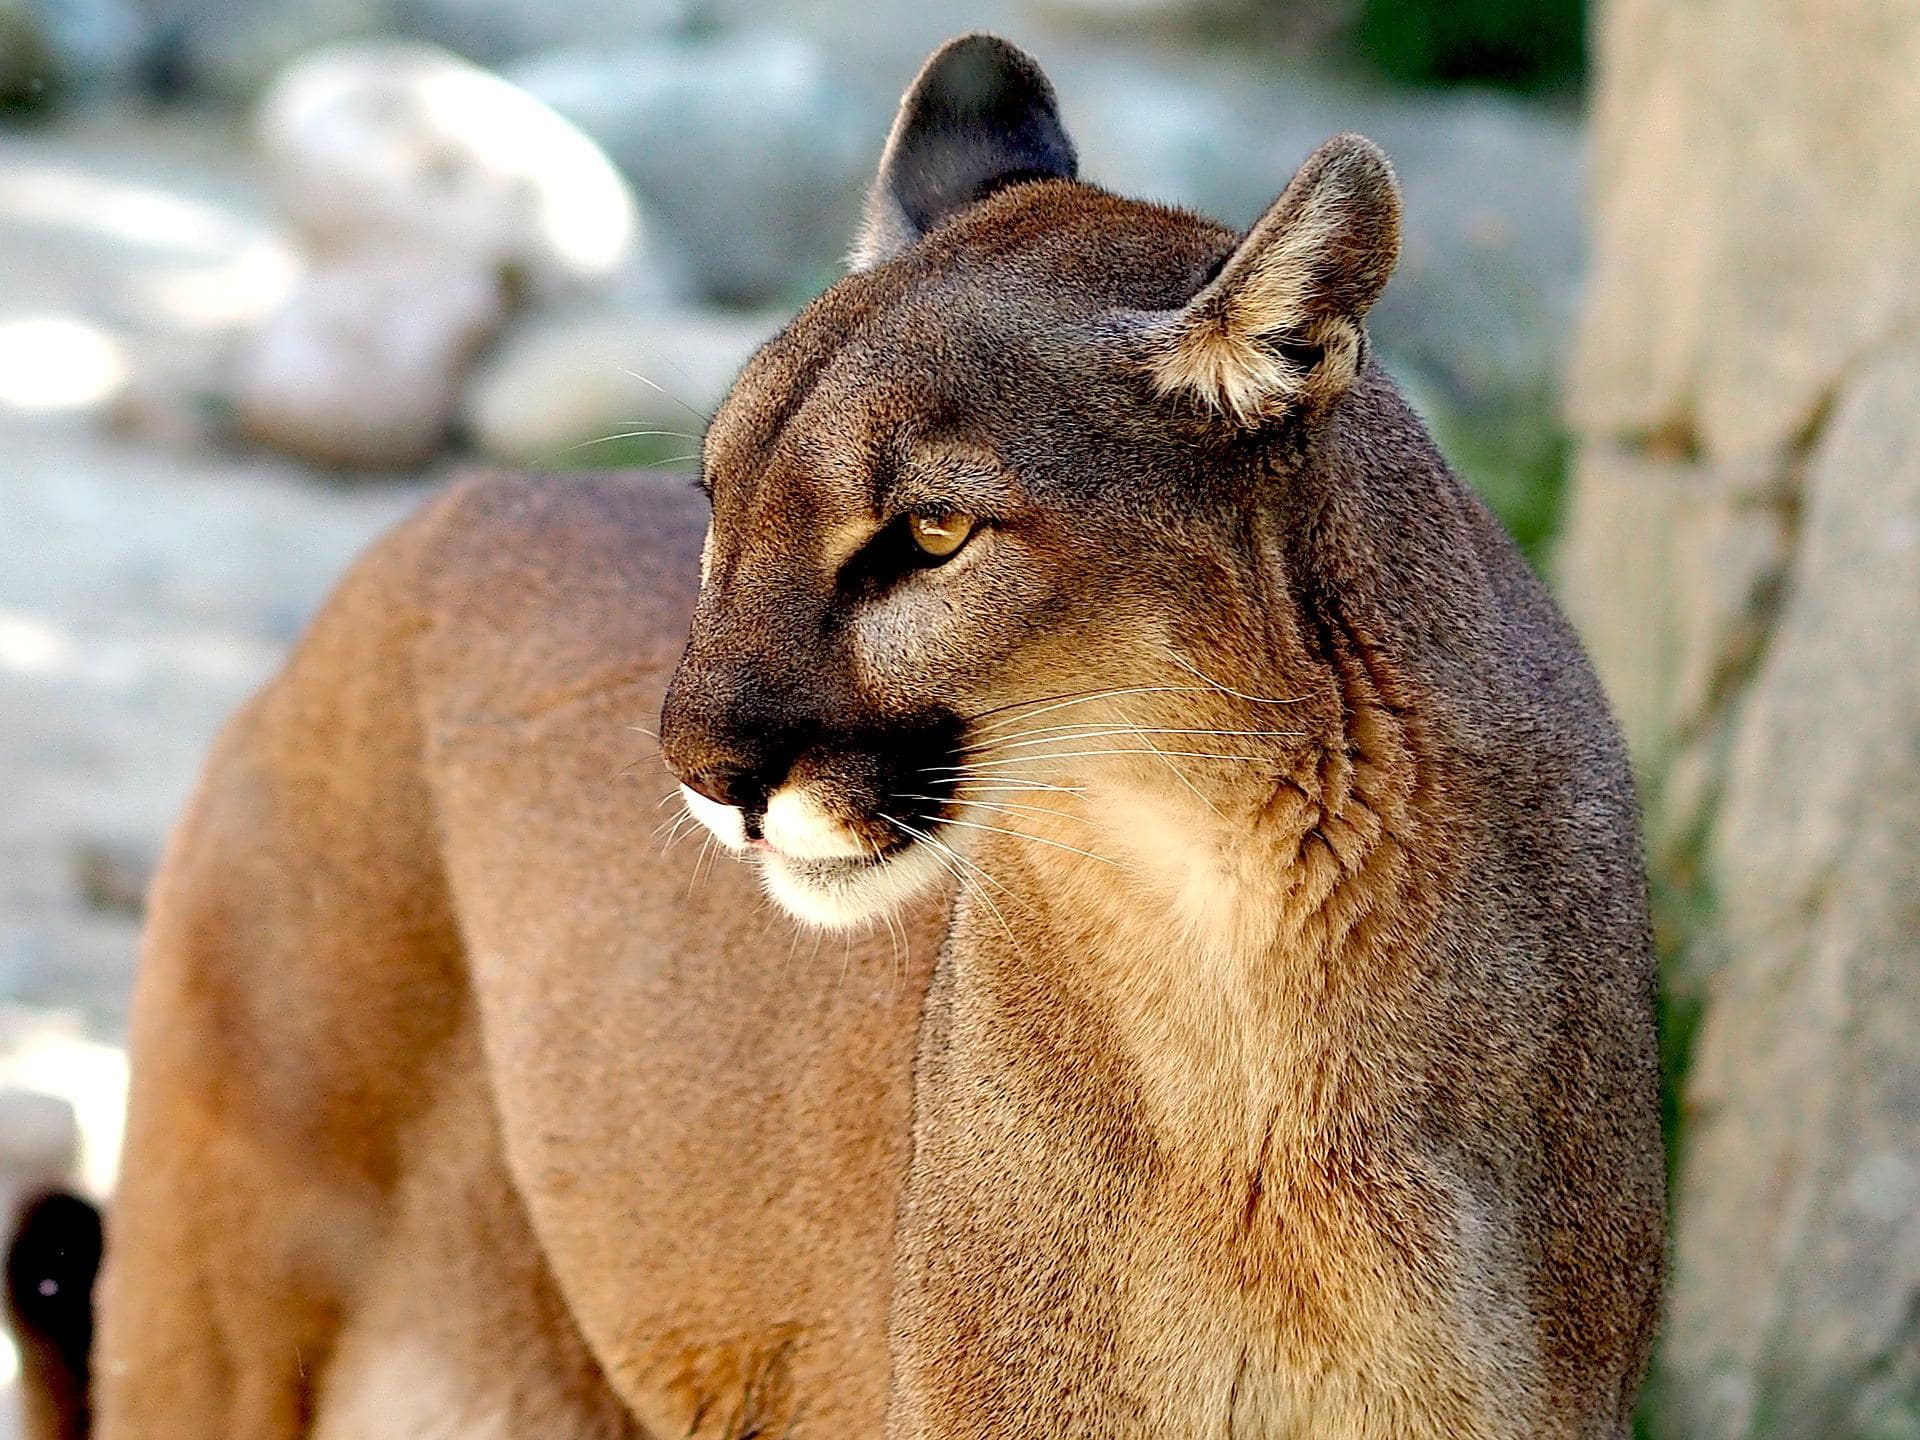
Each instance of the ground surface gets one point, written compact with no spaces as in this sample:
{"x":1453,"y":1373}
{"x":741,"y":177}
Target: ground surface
{"x":144,"y":589}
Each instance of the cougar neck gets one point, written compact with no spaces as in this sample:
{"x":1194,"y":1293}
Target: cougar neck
{"x":1241,"y":919}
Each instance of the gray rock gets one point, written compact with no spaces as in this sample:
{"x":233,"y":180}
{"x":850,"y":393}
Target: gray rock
{"x":749,"y":151}
{"x":562,"y":384}
{"x":1796,"y":1307}
{"x":1668,"y":567}
{"x":232,"y":49}
{"x":1758,"y":227}
{"x":363,"y":367}
{"x":1748,"y":502}
{"x":395,"y":146}
{"x":39,"y":1139}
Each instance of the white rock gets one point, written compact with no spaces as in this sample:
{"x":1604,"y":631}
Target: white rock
{"x":363,"y":365}
{"x":389,"y":144}
{"x":567,"y":380}
{"x":39,"y":1137}
{"x":750,"y":151}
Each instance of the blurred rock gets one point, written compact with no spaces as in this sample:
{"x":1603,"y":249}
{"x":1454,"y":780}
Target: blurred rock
{"x":495,"y":31}
{"x":39,"y":1139}
{"x":1797,"y":1285}
{"x":395,"y":145}
{"x":559,"y":383}
{"x":1748,"y":250}
{"x":1744,"y":554}
{"x":748,"y":150}
{"x":1491,"y":258}
{"x":232,"y":49}
{"x":1154,"y":14}
{"x":1188,"y":141}
{"x":362,"y":368}
{"x":1490,"y":269}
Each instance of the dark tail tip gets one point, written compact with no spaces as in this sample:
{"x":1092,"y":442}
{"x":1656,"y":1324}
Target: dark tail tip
{"x":51,"y":1265}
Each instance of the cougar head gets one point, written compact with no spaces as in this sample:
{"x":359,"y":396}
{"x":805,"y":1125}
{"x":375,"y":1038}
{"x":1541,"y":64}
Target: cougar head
{"x":1016,"y":459}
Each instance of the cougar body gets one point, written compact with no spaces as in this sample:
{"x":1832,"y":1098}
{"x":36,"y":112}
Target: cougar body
{"x":1229,"y":1007}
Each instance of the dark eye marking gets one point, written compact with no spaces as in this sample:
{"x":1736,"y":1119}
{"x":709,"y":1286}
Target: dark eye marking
{"x":917,"y":540}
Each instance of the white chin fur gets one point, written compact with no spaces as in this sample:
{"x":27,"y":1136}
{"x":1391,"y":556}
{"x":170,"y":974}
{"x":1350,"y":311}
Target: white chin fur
{"x":835,"y":897}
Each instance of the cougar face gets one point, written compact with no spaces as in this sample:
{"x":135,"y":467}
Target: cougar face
{"x":1007,"y":464}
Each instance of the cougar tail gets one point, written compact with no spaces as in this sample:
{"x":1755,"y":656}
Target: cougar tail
{"x":51,"y":1266}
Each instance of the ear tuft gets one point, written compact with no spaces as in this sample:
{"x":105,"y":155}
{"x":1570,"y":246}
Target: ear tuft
{"x":980,"y":116}
{"x":1279,"y":328}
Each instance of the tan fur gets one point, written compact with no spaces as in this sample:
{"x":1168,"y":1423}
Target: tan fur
{"x":1273,"y":1058}
{"x":1220,"y":348}
{"x":563,"y":1149}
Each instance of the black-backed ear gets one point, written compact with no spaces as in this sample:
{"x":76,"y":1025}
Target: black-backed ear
{"x":1279,"y":327}
{"x":980,"y":116}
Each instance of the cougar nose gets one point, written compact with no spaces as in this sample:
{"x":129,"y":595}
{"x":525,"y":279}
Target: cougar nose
{"x":723,"y":735}
{"x":728,"y":785}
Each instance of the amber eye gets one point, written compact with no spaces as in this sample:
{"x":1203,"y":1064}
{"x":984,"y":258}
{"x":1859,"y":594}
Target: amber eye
{"x":939,"y":536}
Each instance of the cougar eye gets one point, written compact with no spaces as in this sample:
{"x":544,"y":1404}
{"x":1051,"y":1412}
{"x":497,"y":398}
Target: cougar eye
{"x":939,"y":537}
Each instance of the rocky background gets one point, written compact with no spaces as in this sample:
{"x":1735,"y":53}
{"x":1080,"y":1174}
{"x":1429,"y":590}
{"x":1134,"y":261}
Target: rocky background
{"x":269,"y":272}
{"x":1742,"y":550}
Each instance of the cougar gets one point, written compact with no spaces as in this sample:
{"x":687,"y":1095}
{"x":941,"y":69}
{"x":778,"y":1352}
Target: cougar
{"x":1179,"y":963}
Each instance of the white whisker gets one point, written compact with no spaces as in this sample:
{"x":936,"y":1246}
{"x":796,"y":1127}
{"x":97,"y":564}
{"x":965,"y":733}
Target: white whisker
{"x":952,"y":859}
{"x":631,"y":435}
{"x":1037,"y":839}
{"x":980,"y":767}
{"x":698,"y":862}
{"x":1008,"y":806}
{"x":662,"y":390}
{"x":1051,"y":703}
{"x":1200,"y":674}
{"x":1014,"y":742}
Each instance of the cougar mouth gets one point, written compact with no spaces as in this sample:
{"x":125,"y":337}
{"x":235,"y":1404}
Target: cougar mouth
{"x":822,"y":867}
{"x":840,"y":891}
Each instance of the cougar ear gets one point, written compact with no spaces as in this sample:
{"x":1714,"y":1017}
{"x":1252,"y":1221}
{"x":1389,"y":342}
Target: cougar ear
{"x":980,"y":116}
{"x":1279,"y":326}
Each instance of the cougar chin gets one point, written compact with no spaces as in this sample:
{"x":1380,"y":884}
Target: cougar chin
{"x":845,"y":891}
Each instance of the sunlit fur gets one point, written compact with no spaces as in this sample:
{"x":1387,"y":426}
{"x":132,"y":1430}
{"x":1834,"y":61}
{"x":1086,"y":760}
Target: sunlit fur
{"x":802,"y":833}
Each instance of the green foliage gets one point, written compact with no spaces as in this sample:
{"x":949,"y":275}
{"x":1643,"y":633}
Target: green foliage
{"x":1526,"y":45}
{"x":1514,"y":453}
{"x":26,"y":66}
